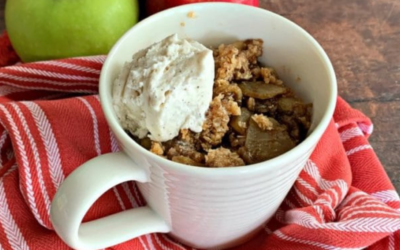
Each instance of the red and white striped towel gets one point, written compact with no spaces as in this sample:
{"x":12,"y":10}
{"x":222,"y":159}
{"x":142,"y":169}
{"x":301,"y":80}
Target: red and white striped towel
{"x":51,"y":122}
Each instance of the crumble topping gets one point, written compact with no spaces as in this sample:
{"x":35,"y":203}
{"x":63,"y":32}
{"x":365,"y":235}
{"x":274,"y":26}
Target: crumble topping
{"x":252,"y":117}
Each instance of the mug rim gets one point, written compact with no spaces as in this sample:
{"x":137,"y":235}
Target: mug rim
{"x":308,"y":143}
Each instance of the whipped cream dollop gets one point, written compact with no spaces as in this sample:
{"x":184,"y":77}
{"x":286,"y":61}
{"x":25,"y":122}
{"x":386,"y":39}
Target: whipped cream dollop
{"x":166,"y":87}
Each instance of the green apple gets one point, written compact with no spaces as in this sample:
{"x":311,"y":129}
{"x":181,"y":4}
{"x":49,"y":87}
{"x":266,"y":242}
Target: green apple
{"x":50,"y":29}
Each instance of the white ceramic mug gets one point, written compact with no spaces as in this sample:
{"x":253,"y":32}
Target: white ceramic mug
{"x":202,"y":207}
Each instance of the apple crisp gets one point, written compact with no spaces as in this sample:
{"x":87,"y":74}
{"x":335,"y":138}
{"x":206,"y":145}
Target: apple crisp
{"x":252,"y":117}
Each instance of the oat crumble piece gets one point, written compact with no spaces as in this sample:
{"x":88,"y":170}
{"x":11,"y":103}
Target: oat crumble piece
{"x":254,"y":49}
{"x":225,"y":61}
{"x":185,"y":134}
{"x":251,"y":104}
{"x":235,"y":61}
{"x":156,"y":148}
{"x":187,"y":149}
{"x":172,"y":152}
{"x":231,"y":106}
{"x":263,"y":122}
{"x":215,"y":125}
{"x":222,"y":157}
{"x":256,"y":72}
{"x":220,"y":83}
{"x":189,"y":138}
{"x":242,"y":69}
{"x":227,"y":89}
{"x":269,"y":76}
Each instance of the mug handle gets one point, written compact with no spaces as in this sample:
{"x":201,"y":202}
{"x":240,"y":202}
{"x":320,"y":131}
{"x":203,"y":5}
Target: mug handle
{"x":83,"y":187}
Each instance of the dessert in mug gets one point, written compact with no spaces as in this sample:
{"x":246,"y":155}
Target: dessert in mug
{"x":199,"y":107}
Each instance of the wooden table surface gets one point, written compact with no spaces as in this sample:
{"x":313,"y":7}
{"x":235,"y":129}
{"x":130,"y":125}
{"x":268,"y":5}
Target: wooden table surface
{"x":362,"y":39}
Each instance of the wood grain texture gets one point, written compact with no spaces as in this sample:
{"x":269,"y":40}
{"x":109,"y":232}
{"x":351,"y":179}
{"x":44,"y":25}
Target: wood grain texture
{"x":362,"y":39}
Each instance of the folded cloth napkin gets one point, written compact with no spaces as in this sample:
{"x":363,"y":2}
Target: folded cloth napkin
{"x":51,"y":122}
